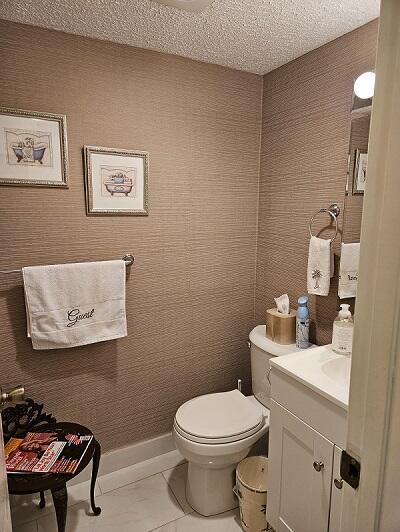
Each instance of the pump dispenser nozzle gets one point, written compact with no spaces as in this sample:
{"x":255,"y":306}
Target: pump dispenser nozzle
{"x":344,"y":313}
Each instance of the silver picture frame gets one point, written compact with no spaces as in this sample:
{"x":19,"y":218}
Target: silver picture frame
{"x":116,"y":181}
{"x":360,"y":171}
{"x":33,"y":148}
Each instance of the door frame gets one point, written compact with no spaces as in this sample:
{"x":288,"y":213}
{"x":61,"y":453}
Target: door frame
{"x":375,"y":379}
{"x":5,"y":516}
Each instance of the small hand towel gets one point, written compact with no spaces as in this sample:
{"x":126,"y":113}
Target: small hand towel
{"x":319,"y":266}
{"x":75,"y":304}
{"x":348,"y":274}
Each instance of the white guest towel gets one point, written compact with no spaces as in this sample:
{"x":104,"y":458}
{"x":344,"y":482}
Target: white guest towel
{"x":348,"y":274}
{"x":75,"y":304}
{"x":319,"y":268}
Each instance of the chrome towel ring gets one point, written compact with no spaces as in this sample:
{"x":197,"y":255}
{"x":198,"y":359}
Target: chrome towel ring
{"x":333,"y":211}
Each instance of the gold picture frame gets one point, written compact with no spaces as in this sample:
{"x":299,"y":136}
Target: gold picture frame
{"x":33,"y":148}
{"x":116,"y":181}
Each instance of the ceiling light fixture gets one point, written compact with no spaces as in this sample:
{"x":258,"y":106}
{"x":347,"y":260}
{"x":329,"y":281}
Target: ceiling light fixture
{"x":364,"y":85}
{"x":187,"y":5}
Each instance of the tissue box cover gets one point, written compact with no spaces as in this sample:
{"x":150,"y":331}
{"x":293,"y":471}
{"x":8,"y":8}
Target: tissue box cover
{"x":281,"y":328}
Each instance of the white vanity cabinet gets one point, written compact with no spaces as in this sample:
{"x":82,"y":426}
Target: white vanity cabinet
{"x":306,"y":437}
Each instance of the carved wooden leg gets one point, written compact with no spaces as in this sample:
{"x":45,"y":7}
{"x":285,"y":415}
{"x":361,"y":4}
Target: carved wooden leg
{"x":96,"y":462}
{"x":60,"y":499}
{"x":42,"y":502}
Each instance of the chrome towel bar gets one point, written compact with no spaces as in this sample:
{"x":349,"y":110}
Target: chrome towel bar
{"x":128,"y":258}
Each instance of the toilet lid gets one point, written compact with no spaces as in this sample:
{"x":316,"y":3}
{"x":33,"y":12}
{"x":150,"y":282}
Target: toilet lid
{"x":218,"y":417}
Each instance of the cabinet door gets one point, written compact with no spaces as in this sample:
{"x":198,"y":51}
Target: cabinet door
{"x":337,"y":491}
{"x":340,"y":490}
{"x":299,"y":474}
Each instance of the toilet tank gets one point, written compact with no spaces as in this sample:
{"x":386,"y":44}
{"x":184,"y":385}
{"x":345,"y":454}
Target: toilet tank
{"x":262,"y":349}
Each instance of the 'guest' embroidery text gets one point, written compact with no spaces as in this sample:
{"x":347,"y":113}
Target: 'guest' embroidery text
{"x":74,"y":316}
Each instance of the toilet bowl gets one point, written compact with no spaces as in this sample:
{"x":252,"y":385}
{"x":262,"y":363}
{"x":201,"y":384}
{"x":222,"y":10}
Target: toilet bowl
{"x":214,"y":432}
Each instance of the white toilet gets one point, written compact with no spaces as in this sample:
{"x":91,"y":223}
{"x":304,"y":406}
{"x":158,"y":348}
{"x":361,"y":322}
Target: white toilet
{"x":214,"y":432}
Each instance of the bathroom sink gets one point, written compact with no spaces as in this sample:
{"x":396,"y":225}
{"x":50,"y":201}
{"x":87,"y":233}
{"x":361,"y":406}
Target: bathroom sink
{"x":338,"y":369}
{"x":320,"y":369}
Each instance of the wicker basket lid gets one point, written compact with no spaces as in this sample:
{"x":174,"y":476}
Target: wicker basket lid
{"x":252,"y":473}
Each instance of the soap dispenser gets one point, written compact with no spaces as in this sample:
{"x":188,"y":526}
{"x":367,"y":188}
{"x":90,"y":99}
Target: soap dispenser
{"x":342,"y":339}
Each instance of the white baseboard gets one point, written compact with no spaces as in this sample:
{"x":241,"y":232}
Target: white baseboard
{"x":128,"y":456}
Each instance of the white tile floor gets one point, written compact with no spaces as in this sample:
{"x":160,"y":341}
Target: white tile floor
{"x":149,"y":496}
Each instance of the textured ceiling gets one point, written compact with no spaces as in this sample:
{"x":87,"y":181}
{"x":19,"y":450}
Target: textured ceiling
{"x":252,"y":35}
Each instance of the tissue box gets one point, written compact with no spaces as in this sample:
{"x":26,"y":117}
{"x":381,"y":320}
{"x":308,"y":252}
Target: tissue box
{"x":281,"y":328}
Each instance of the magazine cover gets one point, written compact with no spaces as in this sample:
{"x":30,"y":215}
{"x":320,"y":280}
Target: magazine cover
{"x":46,"y":452}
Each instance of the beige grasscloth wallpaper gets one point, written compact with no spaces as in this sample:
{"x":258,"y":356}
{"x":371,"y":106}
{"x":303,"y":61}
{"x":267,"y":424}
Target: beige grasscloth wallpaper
{"x":191,"y":294}
{"x":305,"y":141}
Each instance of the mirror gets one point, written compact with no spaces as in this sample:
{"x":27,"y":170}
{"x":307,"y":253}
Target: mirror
{"x":354,"y":199}
{"x":356,"y":177}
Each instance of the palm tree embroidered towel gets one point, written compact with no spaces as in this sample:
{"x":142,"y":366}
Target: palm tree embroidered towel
{"x":75,"y":304}
{"x":348,"y":273}
{"x":319,"y":268}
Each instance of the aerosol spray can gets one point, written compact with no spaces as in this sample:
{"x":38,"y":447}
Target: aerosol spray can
{"x":302,"y":323}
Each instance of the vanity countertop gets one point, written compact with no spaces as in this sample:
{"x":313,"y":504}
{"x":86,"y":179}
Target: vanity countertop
{"x":320,"y":369}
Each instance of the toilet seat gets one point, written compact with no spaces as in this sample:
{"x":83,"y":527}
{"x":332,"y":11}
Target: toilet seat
{"x":218,"y":418}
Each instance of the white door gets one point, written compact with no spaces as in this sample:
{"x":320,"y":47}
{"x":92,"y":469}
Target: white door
{"x":299,"y":474}
{"x":374,"y":405}
{"x":5,"y":518}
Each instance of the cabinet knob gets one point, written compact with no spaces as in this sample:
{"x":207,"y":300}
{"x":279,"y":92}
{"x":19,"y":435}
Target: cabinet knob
{"x":318,"y":466}
{"x":338,"y":483}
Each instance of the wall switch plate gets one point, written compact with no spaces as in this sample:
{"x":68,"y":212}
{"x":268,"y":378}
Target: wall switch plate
{"x":187,"y":5}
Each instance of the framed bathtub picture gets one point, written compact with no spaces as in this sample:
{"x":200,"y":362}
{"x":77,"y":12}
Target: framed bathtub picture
{"x":33,"y":148}
{"x":116,"y":181}
{"x":360,"y":171}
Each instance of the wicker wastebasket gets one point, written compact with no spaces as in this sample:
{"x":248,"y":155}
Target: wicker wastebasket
{"x":251,"y":490}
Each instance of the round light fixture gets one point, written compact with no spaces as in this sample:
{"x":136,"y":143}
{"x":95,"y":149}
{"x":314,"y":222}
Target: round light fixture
{"x":364,"y":85}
